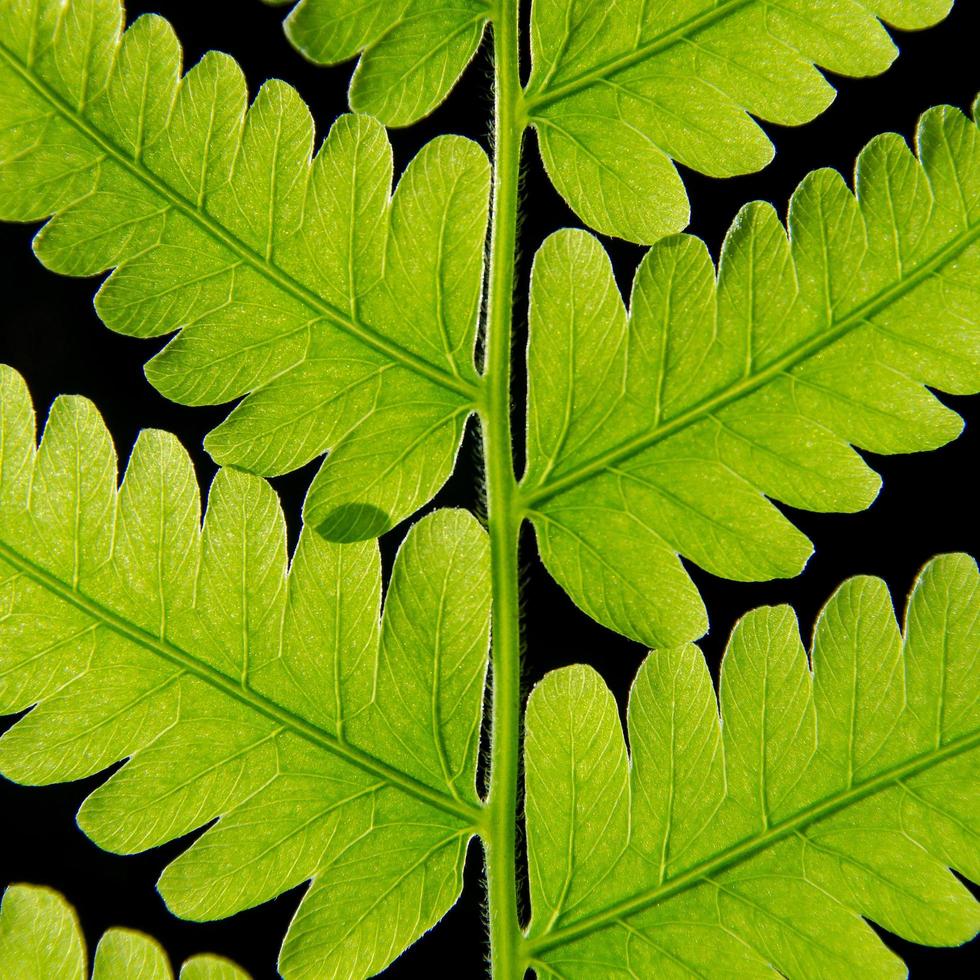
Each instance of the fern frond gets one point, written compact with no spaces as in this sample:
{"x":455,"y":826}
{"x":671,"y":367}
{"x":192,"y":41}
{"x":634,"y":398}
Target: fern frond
{"x":618,"y":91}
{"x":751,"y":844}
{"x":41,"y":939}
{"x":662,"y":432}
{"x":412,"y":52}
{"x":333,"y":748}
{"x":348,"y":317}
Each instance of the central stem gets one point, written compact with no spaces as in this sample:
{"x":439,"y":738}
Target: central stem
{"x":506,"y":942}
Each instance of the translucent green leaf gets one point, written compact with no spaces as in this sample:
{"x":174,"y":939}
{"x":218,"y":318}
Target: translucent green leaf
{"x":347,"y":316}
{"x":618,"y":91}
{"x":412,"y":51}
{"x":751,"y":844}
{"x":39,"y":936}
{"x":122,"y":953}
{"x":40,"y":939}
{"x":335,"y":748}
{"x":662,"y":433}
{"x":209,"y":968}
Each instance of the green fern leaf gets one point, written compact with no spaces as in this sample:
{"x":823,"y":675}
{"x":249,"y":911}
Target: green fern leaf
{"x":750,"y":845}
{"x":333,"y":748}
{"x":413,"y":50}
{"x":347,"y":317}
{"x":620,"y":90}
{"x":40,"y":939}
{"x":662,"y":433}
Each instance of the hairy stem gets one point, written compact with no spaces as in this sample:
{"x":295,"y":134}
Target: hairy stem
{"x":506,"y":940}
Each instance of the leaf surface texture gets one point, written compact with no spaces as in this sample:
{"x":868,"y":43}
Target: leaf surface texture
{"x":661,"y":432}
{"x":40,"y":939}
{"x":333,"y":746}
{"x":751,"y":844}
{"x":621,"y":90}
{"x":346,"y":315}
{"x":411,"y":51}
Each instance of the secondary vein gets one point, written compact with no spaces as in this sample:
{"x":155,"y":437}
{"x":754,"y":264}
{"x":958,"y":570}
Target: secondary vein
{"x":714,"y":403}
{"x":748,"y":848}
{"x":193,"y":212}
{"x":659,"y":42}
{"x":179,"y":657}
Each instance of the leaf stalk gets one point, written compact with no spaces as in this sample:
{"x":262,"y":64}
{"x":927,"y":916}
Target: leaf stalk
{"x":508,"y":960}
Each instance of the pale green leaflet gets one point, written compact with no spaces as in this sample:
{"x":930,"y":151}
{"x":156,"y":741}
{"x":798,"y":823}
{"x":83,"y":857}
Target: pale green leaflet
{"x":40,"y":939}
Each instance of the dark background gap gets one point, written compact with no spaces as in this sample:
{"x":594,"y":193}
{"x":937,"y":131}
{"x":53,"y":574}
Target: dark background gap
{"x":50,"y":333}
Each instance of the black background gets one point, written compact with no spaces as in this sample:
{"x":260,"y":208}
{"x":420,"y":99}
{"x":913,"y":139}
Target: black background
{"x":50,"y":334}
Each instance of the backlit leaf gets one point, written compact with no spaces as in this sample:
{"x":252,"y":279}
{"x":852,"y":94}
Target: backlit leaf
{"x":662,"y":433}
{"x":346,"y":316}
{"x":751,"y":844}
{"x":411,"y":51}
{"x":620,"y":90}
{"x":40,"y":939}
{"x":333,"y":748}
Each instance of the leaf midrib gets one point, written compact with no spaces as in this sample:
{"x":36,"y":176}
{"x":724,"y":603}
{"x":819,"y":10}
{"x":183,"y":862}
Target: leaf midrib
{"x":611,"y":66}
{"x":860,"y":316}
{"x":471,"y":813}
{"x":260,"y":264}
{"x":748,"y":848}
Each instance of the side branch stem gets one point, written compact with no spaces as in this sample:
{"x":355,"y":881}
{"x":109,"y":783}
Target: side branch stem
{"x":508,"y":960}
